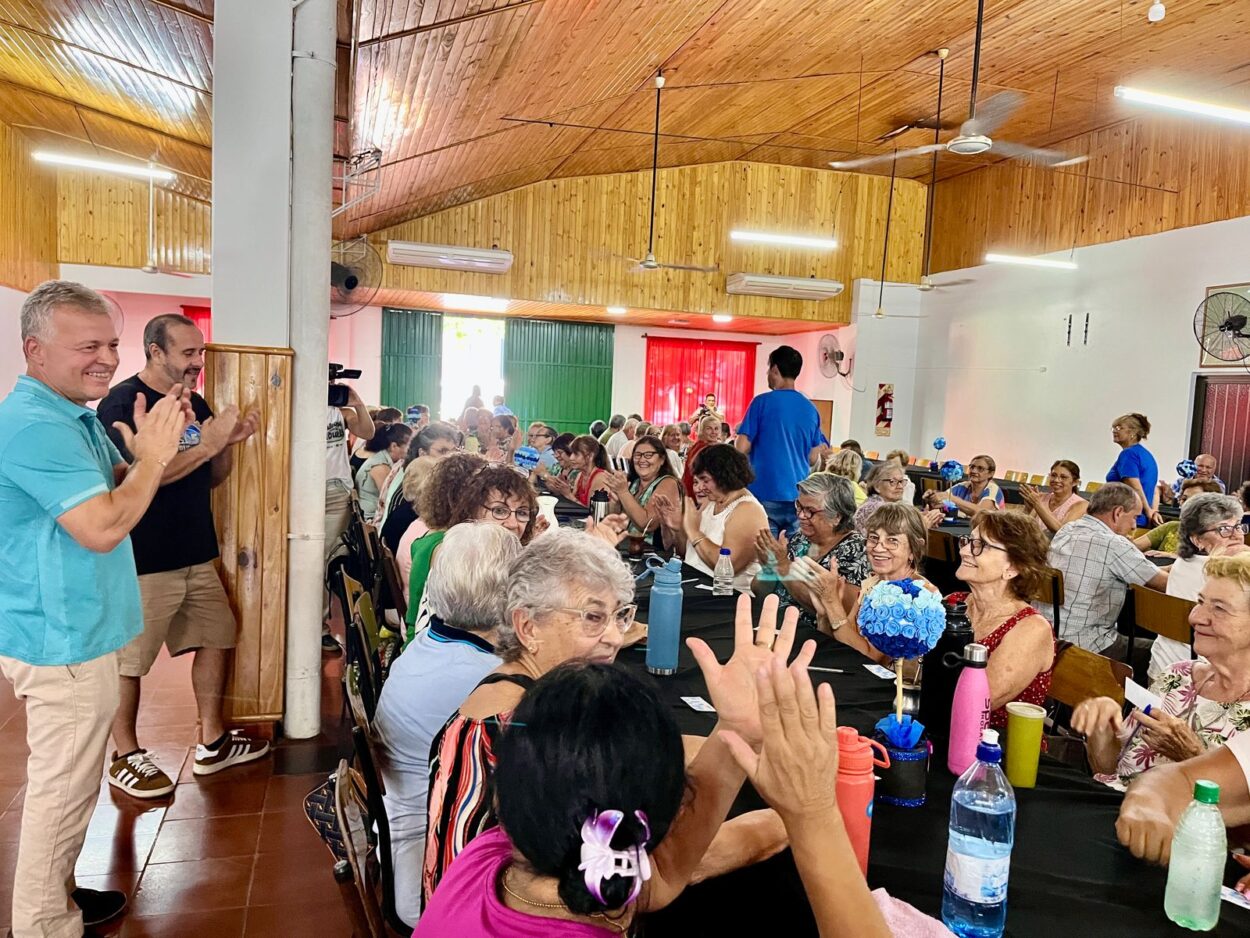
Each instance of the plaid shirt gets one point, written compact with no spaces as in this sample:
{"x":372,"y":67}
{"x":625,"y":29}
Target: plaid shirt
{"x":1176,"y":486}
{"x":1097,"y":565}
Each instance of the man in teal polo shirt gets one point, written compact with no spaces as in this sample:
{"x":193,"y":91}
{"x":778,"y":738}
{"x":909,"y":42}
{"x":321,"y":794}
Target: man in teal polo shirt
{"x":69,"y":595}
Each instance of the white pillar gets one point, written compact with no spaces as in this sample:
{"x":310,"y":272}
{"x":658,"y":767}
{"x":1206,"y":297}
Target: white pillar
{"x":273,"y":117}
{"x":312,"y":151}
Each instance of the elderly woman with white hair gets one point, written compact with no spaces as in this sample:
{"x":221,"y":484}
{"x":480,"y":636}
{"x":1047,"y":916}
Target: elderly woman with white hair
{"x":826,"y":512}
{"x":443,"y":663}
{"x":569,"y":597}
{"x":1209,"y":524}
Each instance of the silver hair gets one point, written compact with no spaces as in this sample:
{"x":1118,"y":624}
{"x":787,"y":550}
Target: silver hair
{"x":838,"y":495}
{"x":1201,"y":513}
{"x":38,"y":306}
{"x":468,"y":584}
{"x":544,"y":575}
{"x":1114,"y":495}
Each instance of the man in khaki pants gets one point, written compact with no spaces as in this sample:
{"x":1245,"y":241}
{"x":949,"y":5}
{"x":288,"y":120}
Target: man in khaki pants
{"x":69,"y":500}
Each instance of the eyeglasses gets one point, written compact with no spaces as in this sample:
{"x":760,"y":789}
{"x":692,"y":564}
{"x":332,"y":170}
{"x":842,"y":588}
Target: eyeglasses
{"x":976,"y":545}
{"x":893,"y":481}
{"x":893,"y":542}
{"x":501,"y":512}
{"x":1227,"y":530}
{"x":595,"y":621}
{"x":645,"y":455}
{"x":804,"y":512}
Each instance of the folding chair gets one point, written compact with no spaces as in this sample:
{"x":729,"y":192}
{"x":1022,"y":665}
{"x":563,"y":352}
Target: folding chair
{"x":366,"y":764}
{"x":1163,"y":615}
{"x":361,"y":650}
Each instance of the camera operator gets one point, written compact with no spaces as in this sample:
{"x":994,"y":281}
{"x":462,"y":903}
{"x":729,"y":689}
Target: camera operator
{"x":352,"y":416}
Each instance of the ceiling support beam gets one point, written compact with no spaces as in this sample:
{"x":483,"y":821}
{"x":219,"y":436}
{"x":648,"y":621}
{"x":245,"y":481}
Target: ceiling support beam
{"x":443,"y":24}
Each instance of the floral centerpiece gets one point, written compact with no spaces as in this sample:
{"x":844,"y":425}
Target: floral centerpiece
{"x":1186,"y":468}
{"x":903,"y":620}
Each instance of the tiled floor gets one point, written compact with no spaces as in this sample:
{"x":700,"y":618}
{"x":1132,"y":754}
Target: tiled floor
{"x":226,"y":856}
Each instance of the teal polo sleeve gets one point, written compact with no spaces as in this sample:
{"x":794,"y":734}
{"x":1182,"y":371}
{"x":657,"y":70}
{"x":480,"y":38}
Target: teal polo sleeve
{"x":54,"y":464}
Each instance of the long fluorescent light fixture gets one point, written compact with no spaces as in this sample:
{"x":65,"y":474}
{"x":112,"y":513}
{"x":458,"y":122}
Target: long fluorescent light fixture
{"x":1029,"y":261}
{"x":616,"y":310}
{"x":124,"y":169}
{"x":476,"y":304}
{"x":722,"y":318}
{"x":798,"y":241}
{"x":1139,"y":96}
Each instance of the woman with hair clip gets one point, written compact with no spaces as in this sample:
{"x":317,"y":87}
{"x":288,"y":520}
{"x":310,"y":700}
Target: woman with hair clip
{"x":590,"y":460}
{"x":599,"y":818}
{"x":1136,"y":466}
{"x":1062,"y":504}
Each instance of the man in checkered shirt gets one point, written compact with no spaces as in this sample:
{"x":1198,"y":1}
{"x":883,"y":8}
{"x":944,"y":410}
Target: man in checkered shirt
{"x":1098,"y":563}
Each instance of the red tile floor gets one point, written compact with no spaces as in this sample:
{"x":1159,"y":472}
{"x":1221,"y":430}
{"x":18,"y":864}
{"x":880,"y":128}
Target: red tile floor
{"x":226,"y":856}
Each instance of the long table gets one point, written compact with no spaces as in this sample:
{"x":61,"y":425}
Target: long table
{"x":1069,"y":875}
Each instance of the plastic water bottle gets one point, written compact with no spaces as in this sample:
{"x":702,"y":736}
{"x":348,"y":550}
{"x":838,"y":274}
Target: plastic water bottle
{"x":723,"y":574}
{"x":978,"y":854}
{"x":664,"y":618}
{"x":1196,"y":870}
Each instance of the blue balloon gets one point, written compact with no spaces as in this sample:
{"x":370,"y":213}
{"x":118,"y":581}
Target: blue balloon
{"x":1186,"y":468}
{"x":940,"y":443}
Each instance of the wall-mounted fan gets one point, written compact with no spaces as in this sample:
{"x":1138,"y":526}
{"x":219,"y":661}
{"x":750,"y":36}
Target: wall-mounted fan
{"x":830,"y":357}
{"x":1220,"y":327}
{"x":355,"y":276}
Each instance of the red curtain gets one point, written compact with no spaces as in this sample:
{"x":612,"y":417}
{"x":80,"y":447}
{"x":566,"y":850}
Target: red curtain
{"x":681,"y":371}
{"x":202,"y":316}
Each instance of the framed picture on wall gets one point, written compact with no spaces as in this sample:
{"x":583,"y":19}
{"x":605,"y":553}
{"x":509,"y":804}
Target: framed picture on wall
{"x":1222,"y":350}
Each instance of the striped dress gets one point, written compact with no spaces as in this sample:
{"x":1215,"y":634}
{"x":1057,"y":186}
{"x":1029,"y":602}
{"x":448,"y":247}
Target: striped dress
{"x":461,"y":799}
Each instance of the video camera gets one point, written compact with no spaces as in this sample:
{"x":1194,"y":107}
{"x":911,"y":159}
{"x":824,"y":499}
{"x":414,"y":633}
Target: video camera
{"x":338,"y":393}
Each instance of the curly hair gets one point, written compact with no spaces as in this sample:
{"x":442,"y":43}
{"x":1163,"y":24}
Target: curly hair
{"x":502,"y":480}
{"x":729,"y":469}
{"x":1025,"y":545}
{"x":442,"y":487}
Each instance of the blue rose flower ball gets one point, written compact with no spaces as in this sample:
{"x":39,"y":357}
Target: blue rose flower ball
{"x":952,"y":470}
{"x":525,"y":458}
{"x":1186,"y":468}
{"x":940,"y":443}
{"x":900,"y":619}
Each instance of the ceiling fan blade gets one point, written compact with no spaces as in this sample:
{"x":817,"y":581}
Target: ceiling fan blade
{"x":886,"y":157}
{"x":901,"y":129}
{"x":1035,"y":155}
{"x":992,"y":113}
{"x":695,"y":267}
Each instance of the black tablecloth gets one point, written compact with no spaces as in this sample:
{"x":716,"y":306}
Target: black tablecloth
{"x":1069,"y":875}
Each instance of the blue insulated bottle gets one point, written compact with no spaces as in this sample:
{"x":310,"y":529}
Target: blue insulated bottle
{"x":664,"y":622}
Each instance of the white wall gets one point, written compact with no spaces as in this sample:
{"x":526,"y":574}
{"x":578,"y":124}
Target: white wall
{"x":997,"y":375}
{"x":356,"y":342}
{"x":12,"y":363}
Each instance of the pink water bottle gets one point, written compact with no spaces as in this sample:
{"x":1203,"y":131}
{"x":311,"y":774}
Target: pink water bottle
{"x":856,"y":783}
{"x":970,"y":709}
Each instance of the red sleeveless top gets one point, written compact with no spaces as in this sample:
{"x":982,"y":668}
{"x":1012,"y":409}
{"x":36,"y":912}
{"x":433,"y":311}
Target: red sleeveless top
{"x":1038,"y":689}
{"x":582,"y":488}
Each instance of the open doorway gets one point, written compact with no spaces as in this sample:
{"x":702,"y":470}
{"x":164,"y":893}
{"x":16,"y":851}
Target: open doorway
{"x":472,"y":356}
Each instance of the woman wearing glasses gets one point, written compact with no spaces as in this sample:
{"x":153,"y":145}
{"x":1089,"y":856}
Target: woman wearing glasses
{"x":1209,"y":524}
{"x":650,"y":474}
{"x":886,"y":484}
{"x":826,"y":511}
{"x":1004,"y":565}
{"x":979,"y":492}
{"x":570,"y":598}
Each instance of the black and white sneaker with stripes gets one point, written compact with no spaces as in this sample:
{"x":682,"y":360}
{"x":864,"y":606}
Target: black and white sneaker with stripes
{"x":138,"y":776}
{"x":234,"y":748}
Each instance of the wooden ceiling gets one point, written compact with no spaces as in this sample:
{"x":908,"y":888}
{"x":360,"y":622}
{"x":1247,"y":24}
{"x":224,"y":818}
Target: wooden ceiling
{"x":468,"y":98}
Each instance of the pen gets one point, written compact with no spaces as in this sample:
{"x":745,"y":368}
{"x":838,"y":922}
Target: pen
{"x":812,"y":667}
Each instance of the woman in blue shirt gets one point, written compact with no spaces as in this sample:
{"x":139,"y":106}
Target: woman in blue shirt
{"x":1136,"y":466}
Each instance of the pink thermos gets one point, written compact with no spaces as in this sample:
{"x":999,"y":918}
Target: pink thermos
{"x":970,"y":709}
{"x":856,"y":783}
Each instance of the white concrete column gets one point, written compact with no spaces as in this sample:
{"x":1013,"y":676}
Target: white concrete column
{"x":251,"y":171}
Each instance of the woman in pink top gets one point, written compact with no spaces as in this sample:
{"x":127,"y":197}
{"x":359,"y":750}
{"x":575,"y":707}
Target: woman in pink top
{"x":1061,"y":504}
{"x":599,"y":818}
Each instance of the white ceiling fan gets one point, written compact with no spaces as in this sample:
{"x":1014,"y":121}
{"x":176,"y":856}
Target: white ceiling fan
{"x":974,"y":133}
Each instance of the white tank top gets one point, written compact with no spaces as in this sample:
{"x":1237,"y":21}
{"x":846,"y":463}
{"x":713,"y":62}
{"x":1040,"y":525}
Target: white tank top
{"x":338,"y":469}
{"x":712,"y":526}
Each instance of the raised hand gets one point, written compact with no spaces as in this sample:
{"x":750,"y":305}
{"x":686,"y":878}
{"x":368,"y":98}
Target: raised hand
{"x":541,"y":524}
{"x":670,"y":511}
{"x":617,"y":482}
{"x":732,"y":685}
{"x":159,"y":430}
{"x":1030,"y":494}
{"x":216,"y":431}
{"x":1169,"y":735}
{"x":772,"y":551}
{"x":933,"y":517}
{"x":1097,"y":715}
{"x":611,"y":528}
{"x":825,"y":587}
{"x":796,"y":771}
{"x":245,"y":428}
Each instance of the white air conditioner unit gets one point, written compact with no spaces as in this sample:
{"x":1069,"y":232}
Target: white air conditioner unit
{"x":788,"y":288}
{"x":448,"y":257}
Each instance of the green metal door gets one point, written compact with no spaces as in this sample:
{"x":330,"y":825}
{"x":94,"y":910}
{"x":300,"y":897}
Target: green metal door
{"x":558,"y":372}
{"x":412,"y":358}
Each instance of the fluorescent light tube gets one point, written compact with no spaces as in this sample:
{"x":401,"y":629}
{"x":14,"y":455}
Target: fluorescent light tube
{"x":722,"y":318}
{"x":616,"y":310}
{"x":124,"y":169}
{"x":478,"y":304}
{"x":799,"y":241}
{"x":1029,"y":261}
{"x":1138,"y":96}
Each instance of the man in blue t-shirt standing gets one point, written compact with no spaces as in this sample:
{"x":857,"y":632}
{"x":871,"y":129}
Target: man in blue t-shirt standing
{"x":781,"y":434}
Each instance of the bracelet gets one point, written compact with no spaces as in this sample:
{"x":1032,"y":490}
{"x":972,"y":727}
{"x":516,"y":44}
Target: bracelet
{"x":697,"y":541}
{"x":164,"y":464}
{"x":834,"y":626}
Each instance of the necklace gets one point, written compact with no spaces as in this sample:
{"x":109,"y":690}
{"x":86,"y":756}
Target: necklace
{"x":597,"y":916}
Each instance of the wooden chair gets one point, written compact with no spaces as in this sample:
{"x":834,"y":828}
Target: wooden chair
{"x":1051,"y":591}
{"x":1015,"y":475}
{"x":1080,"y":675}
{"x":939,"y":546}
{"x":394,"y":584}
{"x":1161,"y":614}
{"x":367,"y":856}
{"x":1093,"y":486}
{"x":929,"y":484}
{"x":872,"y":454}
{"x":1036,"y":479}
{"x":361,"y":647}
{"x":366,"y":763}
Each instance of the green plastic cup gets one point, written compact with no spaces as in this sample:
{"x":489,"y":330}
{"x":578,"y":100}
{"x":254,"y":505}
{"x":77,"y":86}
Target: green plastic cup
{"x":1025,"y":722}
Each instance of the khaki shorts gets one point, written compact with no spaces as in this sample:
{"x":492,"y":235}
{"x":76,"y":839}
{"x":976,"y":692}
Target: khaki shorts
{"x":183,"y":609}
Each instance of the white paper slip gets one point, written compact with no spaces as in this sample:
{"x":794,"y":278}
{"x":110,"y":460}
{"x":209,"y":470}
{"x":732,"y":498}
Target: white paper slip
{"x":698,"y":703}
{"x":1139,"y":697}
{"x":884,"y":673}
{"x":1229,"y":894}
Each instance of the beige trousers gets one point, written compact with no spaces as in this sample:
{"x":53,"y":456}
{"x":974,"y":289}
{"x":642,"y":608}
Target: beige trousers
{"x":69,"y":709}
{"x":338,"y":516}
